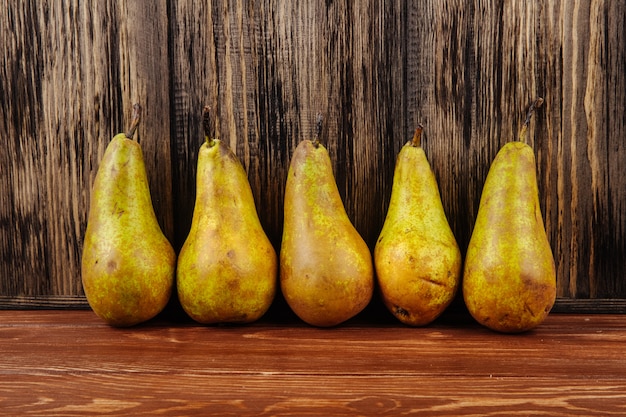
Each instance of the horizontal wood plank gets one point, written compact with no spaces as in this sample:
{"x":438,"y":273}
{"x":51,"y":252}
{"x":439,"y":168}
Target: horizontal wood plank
{"x":70,"y":363}
{"x":79,"y":302}
{"x":298,"y":395}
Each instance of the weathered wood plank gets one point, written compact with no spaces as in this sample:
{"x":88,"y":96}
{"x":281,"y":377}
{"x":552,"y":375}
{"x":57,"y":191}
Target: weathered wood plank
{"x":71,"y":363}
{"x":269,"y":68}
{"x":591,"y":142}
{"x":466,"y":70}
{"x":480,"y":66}
{"x":71,"y":74}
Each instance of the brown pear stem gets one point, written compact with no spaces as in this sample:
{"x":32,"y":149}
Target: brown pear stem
{"x":318,"y":129}
{"x":208,"y":123}
{"x":134,"y":123}
{"x":535,"y":105}
{"x":417,"y":136}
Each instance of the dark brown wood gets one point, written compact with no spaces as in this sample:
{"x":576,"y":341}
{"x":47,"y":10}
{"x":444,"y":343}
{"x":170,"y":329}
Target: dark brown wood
{"x":268,"y":68}
{"x":466,"y":70}
{"x":71,"y":363}
{"x":467,"y":73}
{"x":71,"y":75}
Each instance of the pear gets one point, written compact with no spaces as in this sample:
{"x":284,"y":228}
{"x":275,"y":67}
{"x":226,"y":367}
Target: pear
{"x":326,"y":271}
{"x":127,"y":263}
{"x":509,"y":279}
{"x":227,"y":267}
{"x":417,"y":259}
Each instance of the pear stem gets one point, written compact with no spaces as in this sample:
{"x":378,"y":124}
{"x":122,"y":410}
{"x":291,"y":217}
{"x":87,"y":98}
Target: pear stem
{"x":134,"y":123}
{"x":208,"y":123}
{"x":417,"y":136}
{"x":535,"y":105}
{"x":318,"y":129}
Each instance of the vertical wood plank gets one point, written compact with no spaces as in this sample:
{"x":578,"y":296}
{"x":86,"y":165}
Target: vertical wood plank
{"x":548,"y":123}
{"x":279,"y":65}
{"x":144,"y":65}
{"x":70,"y":73}
{"x":591,"y":146}
{"x":611,"y":241}
{"x":574,"y":176}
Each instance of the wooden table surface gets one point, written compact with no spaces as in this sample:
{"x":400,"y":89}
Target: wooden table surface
{"x":69,"y":363}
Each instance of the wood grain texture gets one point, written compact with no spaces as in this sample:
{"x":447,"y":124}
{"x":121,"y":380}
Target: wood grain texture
{"x":268,"y":69}
{"x":70,"y":76}
{"x":70,"y":363}
{"x":587,"y":162}
{"x":466,"y":70}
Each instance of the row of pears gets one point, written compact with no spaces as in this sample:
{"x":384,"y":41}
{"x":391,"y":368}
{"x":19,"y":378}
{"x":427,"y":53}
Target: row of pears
{"x":227,"y":270}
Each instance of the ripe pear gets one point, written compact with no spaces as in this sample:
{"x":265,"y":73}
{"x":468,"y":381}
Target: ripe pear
{"x":509,"y":280}
{"x":417,"y":259}
{"x":227,"y":267}
{"x":127,"y":263}
{"x":326,"y":271}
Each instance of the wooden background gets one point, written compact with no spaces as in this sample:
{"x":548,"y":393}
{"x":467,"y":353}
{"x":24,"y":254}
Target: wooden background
{"x":467,"y":70}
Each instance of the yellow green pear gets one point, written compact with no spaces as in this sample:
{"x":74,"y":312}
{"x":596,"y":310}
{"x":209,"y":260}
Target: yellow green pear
{"x":417,"y":259}
{"x":227,"y":267}
{"x":127,"y":263}
{"x":509,"y":279}
{"x":326,"y":271}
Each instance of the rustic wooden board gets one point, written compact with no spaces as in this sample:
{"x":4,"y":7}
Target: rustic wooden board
{"x":70,"y":363}
{"x":72,"y":73}
{"x":466,"y":70}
